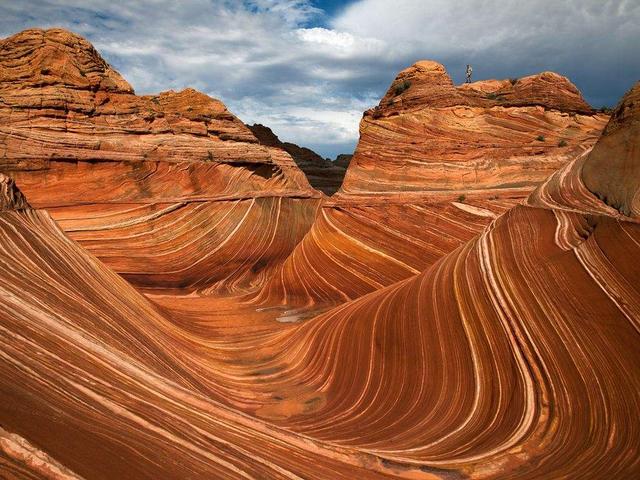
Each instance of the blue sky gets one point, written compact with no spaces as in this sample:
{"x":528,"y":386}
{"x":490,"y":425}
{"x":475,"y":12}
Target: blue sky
{"x":309,"y":68}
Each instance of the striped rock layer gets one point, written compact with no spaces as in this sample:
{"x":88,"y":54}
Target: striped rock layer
{"x":142,"y":181}
{"x":513,"y":356}
{"x":434,"y":165}
{"x":427,"y":134}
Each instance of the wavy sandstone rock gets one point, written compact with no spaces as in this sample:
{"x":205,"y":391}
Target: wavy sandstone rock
{"x":435,"y":163}
{"x":134,"y":171}
{"x":322,"y":174}
{"x":97,"y":384}
{"x":513,"y":356}
{"x":612,"y":170}
{"x":433,"y":135}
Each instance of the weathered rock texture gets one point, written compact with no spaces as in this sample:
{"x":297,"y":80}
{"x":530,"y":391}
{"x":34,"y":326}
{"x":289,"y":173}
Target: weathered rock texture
{"x":435,"y":163}
{"x":322,"y":174}
{"x":10,"y":197}
{"x":164,"y":181}
{"x":491,"y":134}
{"x":107,"y":388}
{"x":613,"y":170}
{"x":514,"y":356}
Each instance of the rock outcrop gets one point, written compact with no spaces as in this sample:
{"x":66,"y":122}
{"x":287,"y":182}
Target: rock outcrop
{"x":165,"y":181}
{"x":10,"y":197}
{"x":612,"y":170}
{"x":490,"y":134}
{"x":96,"y":383}
{"x":322,"y":174}
{"x":434,"y":165}
{"x":493,"y":362}
{"x":426,"y":83}
{"x":343,"y":160}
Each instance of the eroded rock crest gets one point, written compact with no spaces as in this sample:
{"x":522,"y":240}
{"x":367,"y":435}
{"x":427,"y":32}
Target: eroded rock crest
{"x":434,"y":165}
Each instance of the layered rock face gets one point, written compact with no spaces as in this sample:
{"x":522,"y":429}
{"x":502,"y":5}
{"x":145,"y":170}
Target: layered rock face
{"x":97,"y":384}
{"x":435,"y":163}
{"x":513,"y":356}
{"x":427,"y":134}
{"x":322,"y":174}
{"x":493,"y":362}
{"x":144,"y":180}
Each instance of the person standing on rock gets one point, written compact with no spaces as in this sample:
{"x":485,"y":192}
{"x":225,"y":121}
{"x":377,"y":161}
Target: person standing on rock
{"x":469,"y":72}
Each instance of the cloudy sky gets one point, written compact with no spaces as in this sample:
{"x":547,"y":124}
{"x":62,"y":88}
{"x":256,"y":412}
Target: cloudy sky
{"x":309,"y":68}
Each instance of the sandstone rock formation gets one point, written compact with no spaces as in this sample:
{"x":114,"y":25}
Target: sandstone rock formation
{"x":322,"y":174}
{"x":97,"y":384}
{"x":160,"y":187}
{"x":542,"y":309}
{"x":513,"y":356}
{"x":435,"y":136}
{"x":612,"y":170}
{"x":435,"y":163}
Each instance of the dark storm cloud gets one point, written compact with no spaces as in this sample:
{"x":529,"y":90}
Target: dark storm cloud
{"x":271,"y":61}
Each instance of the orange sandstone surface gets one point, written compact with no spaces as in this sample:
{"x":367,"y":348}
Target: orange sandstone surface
{"x":421,"y":326}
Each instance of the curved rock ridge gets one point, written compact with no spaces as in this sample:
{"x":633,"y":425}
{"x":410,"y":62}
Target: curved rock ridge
{"x":354,"y":248}
{"x":434,"y":165}
{"x":135,"y":170}
{"x":428,"y":134}
{"x":323,"y":174}
{"x":495,"y":361}
{"x":612,"y":171}
{"x":96,"y":383}
{"x":513,"y":356}
{"x":427,"y":83}
{"x":11,"y":197}
{"x":229,"y":246}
